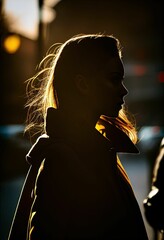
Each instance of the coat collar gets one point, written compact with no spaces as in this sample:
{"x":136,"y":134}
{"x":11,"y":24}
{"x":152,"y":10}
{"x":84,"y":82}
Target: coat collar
{"x":57,"y":127}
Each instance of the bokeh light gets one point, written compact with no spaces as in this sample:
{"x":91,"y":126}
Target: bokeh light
{"x":12,"y":43}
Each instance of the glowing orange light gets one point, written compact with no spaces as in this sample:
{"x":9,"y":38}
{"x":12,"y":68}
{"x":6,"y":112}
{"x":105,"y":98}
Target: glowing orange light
{"x":139,"y":70}
{"x":12,"y":43}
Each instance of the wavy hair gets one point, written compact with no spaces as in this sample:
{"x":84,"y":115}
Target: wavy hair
{"x":57,"y":65}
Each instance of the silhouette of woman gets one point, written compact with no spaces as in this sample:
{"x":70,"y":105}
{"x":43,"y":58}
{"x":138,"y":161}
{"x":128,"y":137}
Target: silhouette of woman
{"x":81,"y":191}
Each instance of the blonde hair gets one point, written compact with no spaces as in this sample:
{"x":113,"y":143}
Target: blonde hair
{"x":41,"y":90}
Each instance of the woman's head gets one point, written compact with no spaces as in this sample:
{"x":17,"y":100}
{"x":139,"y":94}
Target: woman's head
{"x":84,"y":71}
{"x":83,"y":64}
{"x":81,"y":57}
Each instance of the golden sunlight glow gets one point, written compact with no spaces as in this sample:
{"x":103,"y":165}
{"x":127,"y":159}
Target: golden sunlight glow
{"x":100,"y":128}
{"x":12,"y":43}
{"x":23,"y":16}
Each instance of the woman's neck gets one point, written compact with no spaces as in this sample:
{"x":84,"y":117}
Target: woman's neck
{"x":80,"y":116}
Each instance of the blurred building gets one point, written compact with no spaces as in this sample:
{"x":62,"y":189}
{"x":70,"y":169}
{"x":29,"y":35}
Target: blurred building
{"x":138,"y":24}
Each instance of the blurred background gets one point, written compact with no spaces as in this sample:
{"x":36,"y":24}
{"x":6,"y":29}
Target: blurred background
{"x":29,"y":28}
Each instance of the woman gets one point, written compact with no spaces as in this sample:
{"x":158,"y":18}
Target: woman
{"x":82,"y":190}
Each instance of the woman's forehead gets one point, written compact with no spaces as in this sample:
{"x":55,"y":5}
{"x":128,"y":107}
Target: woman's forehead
{"x":115,"y":65}
{"x":104,"y":66}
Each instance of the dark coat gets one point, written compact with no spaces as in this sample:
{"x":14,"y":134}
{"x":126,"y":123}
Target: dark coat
{"x":81,"y":191}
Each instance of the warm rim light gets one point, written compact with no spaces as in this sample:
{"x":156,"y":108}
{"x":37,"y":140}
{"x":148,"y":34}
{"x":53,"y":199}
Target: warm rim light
{"x":12,"y":43}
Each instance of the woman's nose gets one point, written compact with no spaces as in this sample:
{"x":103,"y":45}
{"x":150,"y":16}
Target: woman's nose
{"x":124,"y":90}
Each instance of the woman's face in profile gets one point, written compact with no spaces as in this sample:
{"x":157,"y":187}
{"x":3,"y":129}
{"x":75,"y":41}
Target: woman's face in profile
{"x":108,"y":87}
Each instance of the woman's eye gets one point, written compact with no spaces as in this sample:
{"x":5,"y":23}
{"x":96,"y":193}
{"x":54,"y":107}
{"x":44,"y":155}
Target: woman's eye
{"x":116,"y":80}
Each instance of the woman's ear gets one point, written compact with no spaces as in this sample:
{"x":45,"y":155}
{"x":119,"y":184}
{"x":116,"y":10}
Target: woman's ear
{"x":82,"y":84}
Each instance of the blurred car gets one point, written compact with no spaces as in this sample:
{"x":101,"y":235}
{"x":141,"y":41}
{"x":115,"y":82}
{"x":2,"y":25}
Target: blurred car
{"x":150,"y":138}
